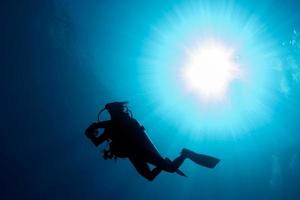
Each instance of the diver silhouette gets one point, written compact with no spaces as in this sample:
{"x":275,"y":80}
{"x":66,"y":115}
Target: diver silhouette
{"x":128,"y":139}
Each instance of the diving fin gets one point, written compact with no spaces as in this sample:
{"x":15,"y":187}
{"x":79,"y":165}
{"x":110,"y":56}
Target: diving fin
{"x":201,"y":159}
{"x":179,"y":172}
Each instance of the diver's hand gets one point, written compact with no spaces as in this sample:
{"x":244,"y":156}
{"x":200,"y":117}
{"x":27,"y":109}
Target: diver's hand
{"x":93,"y":126}
{"x":91,"y":132}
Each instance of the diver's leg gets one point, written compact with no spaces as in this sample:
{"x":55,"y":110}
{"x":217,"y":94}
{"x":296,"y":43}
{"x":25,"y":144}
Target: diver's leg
{"x":166,"y":164}
{"x":143,"y":168}
{"x":173,"y":166}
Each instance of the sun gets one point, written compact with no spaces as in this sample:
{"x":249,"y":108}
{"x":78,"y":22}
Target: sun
{"x":209,"y":69}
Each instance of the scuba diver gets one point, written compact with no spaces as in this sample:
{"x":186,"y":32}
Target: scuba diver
{"x":128,"y":139}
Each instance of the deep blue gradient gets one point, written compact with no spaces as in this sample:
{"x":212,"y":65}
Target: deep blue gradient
{"x":61,"y":61}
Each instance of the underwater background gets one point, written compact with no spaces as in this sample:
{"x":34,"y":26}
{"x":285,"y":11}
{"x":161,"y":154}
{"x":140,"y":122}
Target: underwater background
{"x":63,"y":60}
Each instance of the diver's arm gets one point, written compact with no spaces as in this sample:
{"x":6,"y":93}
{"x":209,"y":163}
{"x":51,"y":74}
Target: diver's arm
{"x":92,"y":128}
{"x":99,"y":140}
{"x":92,"y":134}
{"x":103,"y":124}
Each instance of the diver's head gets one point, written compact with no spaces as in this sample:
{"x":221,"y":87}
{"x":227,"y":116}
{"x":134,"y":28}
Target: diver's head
{"x":116,"y":108}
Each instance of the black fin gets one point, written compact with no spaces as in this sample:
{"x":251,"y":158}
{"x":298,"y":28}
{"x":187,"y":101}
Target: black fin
{"x":179,"y":172}
{"x":201,"y":159}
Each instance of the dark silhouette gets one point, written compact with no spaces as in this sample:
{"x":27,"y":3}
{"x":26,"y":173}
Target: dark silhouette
{"x":127,"y":139}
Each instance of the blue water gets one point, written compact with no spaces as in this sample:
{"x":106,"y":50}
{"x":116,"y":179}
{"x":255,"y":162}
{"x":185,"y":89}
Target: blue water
{"x":61,"y":61}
